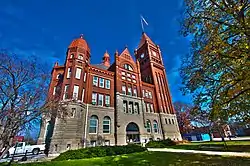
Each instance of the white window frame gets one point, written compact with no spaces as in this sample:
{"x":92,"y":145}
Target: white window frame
{"x":69,"y":72}
{"x":152,"y":107}
{"x":96,"y":127}
{"x":124,"y":89}
{"x":78,"y":73}
{"x":150,"y":94}
{"x":84,"y":77}
{"x":143,"y":93}
{"x":107,"y":100}
{"x":54,"y":90}
{"x":65,"y":90}
{"x":135,"y":92}
{"x":107,"y":119}
{"x":75,"y":92}
{"x":130,"y":91}
{"x":95,"y":80}
{"x":101,"y":82}
{"x":155,"y":126}
{"x":100,"y":96}
{"x":94,"y":98}
{"x":107,"y":84}
{"x":130,"y":108}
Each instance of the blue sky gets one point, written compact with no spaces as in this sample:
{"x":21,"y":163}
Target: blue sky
{"x":45,"y":28}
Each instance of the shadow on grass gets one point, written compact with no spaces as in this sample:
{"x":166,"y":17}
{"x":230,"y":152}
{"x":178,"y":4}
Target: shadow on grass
{"x":152,"y":159}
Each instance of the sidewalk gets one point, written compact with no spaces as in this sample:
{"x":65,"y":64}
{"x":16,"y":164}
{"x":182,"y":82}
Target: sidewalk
{"x":238,"y":154}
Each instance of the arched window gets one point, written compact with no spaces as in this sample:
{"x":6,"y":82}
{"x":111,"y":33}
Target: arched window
{"x":155,"y":126}
{"x":106,"y":124}
{"x":148,"y":126}
{"x":128,"y":67}
{"x":93,"y":124}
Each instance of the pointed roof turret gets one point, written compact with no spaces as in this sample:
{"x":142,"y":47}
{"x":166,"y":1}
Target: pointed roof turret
{"x":106,"y":59}
{"x":145,"y":38}
{"x":80,"y":43}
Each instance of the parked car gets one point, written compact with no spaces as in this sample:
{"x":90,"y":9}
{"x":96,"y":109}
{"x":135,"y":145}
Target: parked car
{"x":22,"y":148}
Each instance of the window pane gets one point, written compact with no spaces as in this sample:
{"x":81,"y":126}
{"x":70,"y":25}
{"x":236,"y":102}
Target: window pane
{"x":101,"y":83}
{"x":100,"y":100}
{"x":107,"y":84}
{"x":78,"y":73}
{"x":94,"y":98}
{"x":107,"y":100}
{"x":95,"y":80}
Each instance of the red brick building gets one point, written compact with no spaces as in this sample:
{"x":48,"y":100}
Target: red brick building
{"x":111,"y":103}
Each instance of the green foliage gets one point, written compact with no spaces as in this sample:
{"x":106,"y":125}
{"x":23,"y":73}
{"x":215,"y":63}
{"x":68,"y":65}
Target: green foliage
{"x":217,"y":69}
{"x":160,"y":144}
{"x":99,"y":151}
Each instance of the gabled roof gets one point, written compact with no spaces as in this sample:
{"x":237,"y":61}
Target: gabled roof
{"x":100,"y":66}
{"x":144,"y":38}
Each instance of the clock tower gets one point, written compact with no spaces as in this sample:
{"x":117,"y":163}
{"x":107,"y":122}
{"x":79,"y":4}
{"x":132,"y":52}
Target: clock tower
{"x":153,"y":72}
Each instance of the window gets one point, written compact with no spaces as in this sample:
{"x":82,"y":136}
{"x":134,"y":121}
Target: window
{"x":100,"y":100}
{"x":75,"y":92}
{"x":134,"y":81}
{"x":155,"y":126}
{"x":72,"y":113}
{"x":69,"y":73}
{"x":95,"y":81}
{"x":83,"y":91}
{"x":124,"y":78}
{"x":92,"y":143}
{"x":125,"y":107}
{"x":128,"y":79}
{"x":106,"y":124}
{"x":123,"y":73}
{"x":55,"y":147}
{"x":124,"y":89}
{"x":143,"y":93}
{"x":169,"y":120}
{"x":94,"y":98}
{"x":128,"y":67}
{"x":154,"y":53}
{"x":66,"y":89}
{"x":93,"y":124}
{"x":172,"y":121}
{"x":107,"y":100}
{"x":54,"y":90}
{"x":133,"y":76}
{"x":146,"y":94}
{"x":135,"y":91}
{"x":152,"y":107}
{"x":148,"y":107}
{"x":136,"y":108}
{"x":166,"y":120}
{"x":129,"y":90}
{"x":101,"y":83}
{"x":72,"y":56}
{"x":150,"y":95}
{"x":128,"y":75}
{"x":107,"y":84}
{"x":107,"y":143}
{"x":80,"y":57}
{"x":78,"y":73}
{"x":130,"y":108}
{"x":148,"y":126}
{"x":68,"y":146}
{"x":84,"y":78}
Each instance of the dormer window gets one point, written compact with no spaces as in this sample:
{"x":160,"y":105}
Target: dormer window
{"x":128,"y":67}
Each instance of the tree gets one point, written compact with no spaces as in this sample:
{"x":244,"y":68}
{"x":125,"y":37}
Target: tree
{"x":217,"y":69}
{"x":184,"y":117}
{"x":23,"y":92}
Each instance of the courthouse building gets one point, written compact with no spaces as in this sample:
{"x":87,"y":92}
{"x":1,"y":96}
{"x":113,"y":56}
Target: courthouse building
{"x":127,"y":101}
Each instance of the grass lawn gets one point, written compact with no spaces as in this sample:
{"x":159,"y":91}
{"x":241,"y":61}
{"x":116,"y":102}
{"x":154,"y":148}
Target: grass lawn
{"x":233,"y":146}
{"x":151,"y":159}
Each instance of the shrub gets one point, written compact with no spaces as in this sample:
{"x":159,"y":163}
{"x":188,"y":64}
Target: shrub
{"x":160,"y":144}
{"x":99,"y":151}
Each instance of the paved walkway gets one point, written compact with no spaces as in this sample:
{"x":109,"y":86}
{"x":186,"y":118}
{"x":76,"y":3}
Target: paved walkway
{"x":239,"y":154}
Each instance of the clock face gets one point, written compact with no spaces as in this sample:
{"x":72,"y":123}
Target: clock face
{"x":142,"y":55}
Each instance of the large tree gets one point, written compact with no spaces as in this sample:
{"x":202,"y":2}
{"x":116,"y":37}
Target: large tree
{"x":184,"y":117}
{"x":217,"y":70}
{"x":23,"y":94}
